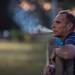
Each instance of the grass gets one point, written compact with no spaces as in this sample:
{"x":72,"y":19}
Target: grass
{"x":22,"y":58}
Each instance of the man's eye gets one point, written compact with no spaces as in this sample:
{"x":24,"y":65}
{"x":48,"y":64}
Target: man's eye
{"x":58,"y":22}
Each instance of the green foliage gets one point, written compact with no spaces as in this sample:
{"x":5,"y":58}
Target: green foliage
{"x":67,"y":5}
{"x":15,"y":34}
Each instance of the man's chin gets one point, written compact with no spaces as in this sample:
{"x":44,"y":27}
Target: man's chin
{"x":57,"y":35}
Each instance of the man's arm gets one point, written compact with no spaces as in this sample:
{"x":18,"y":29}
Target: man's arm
{"x":67,"y":51}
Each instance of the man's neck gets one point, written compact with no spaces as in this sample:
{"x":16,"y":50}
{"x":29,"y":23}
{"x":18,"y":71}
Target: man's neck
{"x":66,"y":34}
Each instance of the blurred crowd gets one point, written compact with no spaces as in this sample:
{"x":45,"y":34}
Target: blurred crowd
{"x":32,"y":16}
{"x":28,"y":15}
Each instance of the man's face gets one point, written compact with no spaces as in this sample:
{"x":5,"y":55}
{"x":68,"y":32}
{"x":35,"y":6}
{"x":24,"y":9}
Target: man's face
{"x":59,"y":24}
{"x":46,"y":6}
{"x":27,"y":6}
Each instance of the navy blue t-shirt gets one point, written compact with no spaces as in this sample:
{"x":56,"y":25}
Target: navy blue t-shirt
{"x":70,"y":39}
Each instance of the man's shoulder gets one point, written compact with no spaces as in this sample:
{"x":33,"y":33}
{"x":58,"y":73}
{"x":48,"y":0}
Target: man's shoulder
{"x":70,"y":39}
{"x":71,"y":36}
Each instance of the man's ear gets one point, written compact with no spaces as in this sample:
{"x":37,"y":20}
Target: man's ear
{"x":69,"y":26}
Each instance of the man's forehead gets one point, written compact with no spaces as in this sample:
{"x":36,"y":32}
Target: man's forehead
{"x":61,"y":17}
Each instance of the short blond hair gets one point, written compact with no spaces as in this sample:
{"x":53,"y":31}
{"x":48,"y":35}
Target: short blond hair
{"x":69,"y":16}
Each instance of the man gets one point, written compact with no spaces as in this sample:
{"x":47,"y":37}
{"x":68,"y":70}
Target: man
{"x":63,"y":56}
{"x":46,"y":6}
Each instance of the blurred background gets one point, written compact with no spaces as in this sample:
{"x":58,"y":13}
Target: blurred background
{"x":25,"y":29}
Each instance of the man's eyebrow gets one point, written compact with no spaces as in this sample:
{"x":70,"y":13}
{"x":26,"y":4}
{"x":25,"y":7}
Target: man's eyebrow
{"x":57,"y":21}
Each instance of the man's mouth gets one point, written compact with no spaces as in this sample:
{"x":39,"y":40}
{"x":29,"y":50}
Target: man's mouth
{"x":55,"y":31}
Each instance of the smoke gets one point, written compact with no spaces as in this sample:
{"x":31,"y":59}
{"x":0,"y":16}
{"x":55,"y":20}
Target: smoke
{"x":27,"y":20}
